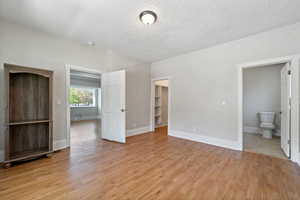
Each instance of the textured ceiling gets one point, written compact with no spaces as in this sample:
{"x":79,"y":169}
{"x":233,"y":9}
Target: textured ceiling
{"x":182,"y":26}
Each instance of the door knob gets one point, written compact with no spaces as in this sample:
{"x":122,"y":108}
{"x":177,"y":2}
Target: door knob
{"x":123,"y":110}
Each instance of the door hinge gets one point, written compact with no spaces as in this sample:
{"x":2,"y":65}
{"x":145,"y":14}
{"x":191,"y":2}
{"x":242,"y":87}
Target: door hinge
{"x":289,"y":72}
{"x":289,"y":142}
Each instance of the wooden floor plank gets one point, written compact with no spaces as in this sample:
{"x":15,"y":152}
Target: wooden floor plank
{"x":151,"y":166}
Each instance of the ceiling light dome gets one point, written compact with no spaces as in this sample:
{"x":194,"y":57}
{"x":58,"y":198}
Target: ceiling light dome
{"x":148,"y":17}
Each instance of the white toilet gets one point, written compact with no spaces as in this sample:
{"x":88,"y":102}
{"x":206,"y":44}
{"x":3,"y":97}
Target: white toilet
{"x":267,"y":124}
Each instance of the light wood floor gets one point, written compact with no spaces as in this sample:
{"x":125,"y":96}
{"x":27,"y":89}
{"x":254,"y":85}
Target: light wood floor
{"x":83,"y":131}
{"x":152,"y":166}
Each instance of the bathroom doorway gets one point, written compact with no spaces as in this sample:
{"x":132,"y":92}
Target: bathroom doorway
{"x":267,"y":109}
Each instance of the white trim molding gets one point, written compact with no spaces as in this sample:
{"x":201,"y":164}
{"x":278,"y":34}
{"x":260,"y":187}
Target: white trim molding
{"x":1,"y":156}
{"x":59,"y":144}
{"x":229,"y":144}
{"x":137,"y":131}
{"x":249,"y":129}
{"x":82,"y":118}
{"x":256,"y":130}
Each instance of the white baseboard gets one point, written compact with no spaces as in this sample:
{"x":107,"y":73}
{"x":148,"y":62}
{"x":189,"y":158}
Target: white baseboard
{"x":249,"y":129}
{"x":82,"y":118}
{"x":137,"y":131}
{"x":256,"y":130}
{"x":59,"y":144}
{"x":1,"y":156}
{"x":206,"y":139}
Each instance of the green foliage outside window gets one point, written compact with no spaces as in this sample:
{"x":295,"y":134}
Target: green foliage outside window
{"x":82,"y":97}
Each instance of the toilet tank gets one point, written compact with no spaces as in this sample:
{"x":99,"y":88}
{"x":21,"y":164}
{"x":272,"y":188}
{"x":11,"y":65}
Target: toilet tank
{"x":267,"y":117}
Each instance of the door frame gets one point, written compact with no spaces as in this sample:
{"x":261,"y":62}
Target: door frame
{"x":152,"y":102}
{"x":68,"y":69}
{"x":294,"y":62}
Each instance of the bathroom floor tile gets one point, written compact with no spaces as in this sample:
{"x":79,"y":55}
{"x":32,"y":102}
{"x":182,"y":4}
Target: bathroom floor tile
{"x":257,"y":144}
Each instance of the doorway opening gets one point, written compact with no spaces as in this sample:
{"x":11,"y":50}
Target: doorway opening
{"x":290,"y":136}
{"x":83,"y":110}
{"x":85,"y":106}
{"x":160,"y":105}
{"x":267,"y":109}
{"x":96,"y":105}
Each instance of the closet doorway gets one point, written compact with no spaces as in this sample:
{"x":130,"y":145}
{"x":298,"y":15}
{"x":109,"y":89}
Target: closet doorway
{"x":160,"y":103}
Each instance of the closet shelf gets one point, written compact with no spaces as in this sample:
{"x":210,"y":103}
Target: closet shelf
{"x":28,"y":122}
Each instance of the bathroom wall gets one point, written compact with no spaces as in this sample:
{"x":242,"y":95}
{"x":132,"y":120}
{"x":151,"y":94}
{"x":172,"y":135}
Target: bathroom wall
{"x":262,"y":89}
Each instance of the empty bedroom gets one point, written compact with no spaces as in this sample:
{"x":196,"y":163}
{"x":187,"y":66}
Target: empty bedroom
{"x":140,"y":99}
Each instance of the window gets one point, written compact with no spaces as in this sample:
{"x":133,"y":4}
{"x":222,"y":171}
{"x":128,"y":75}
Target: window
{"x":82,"y":97}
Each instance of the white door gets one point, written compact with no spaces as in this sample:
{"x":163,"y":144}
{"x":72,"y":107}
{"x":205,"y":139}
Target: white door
{"x":285,"y":109}
{"x":113,"y":106}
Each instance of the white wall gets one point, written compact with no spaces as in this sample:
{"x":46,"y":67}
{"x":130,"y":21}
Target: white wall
{"x":262,"y":92}
{"x":204,"y":92}
{"x":137,"y":92}
{"x":23,"y":46}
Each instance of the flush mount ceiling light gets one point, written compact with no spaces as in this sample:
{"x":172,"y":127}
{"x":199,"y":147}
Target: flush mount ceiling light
{"x":148,"y":17}
{"x":91,"y":43}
